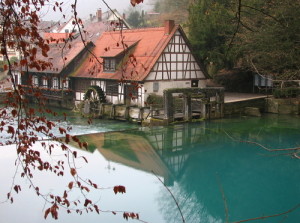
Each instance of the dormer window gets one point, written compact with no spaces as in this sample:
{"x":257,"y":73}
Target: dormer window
{"x":109,"y":64}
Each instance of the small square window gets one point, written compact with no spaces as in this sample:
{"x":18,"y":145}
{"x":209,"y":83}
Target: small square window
{"x":109,"y":64}
{"x":195,"y":83}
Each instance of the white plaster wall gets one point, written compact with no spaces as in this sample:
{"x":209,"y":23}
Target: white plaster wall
{"x":148,"y":86}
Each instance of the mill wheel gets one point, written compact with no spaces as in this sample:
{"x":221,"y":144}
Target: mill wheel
{"x":95,"y":96}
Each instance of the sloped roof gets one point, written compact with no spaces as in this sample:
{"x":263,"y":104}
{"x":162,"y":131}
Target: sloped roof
{"x":60,"y":54}
{"x":150,"y":43}
{"x":117,"y":49}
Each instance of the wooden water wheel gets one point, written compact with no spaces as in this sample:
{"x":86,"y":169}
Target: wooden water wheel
{"x":94,"y":95}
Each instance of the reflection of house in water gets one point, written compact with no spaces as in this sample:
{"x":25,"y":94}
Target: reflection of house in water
{"x":174,"y":145}
{"x":161,"y":150}
{"x":133,"y":150}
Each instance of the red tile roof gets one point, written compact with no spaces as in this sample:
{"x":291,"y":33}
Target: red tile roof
{"x":116,"y":49}
{"x":150,"y":42}
{"x":60,"y":55}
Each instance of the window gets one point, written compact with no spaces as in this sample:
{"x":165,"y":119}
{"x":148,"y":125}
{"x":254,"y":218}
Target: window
{"x":65,"y":83}
{"x":109,"y":64}
{"x":35,"y":81}
{"x":45,"y":82}
{"x":55,"y":83}
{"x":195,"y":83}
{"x":155,"y":87}
{"x":112,"y":88}
{"x":16,"y":79}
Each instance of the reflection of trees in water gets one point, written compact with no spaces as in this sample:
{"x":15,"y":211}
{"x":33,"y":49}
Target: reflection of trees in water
{"x":197,"y":154}
{"x":193,"y":210}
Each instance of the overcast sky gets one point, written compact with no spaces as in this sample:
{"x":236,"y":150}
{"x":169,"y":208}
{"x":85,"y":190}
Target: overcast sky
{"x":87,"y":7}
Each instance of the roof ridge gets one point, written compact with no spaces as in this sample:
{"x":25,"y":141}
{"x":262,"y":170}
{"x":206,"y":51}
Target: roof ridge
{"x":137,"y":29}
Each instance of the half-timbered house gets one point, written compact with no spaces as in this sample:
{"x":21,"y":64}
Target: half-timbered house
{"x":132,"y":64}
{"x":67,"y":50}
{"x":53,"y":82}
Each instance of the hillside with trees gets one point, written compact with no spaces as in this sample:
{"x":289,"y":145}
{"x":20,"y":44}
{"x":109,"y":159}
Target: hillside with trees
{"x":262,"y":36}
{"x":258,"y":36}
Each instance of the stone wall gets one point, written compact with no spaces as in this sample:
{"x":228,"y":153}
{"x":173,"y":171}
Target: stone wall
{"x":233,"y":108}
{"x":283,"y":106}
{"x":268,"y":105}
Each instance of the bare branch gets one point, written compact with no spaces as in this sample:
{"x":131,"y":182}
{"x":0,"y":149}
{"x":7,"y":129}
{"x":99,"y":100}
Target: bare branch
{"x":178,"y":207}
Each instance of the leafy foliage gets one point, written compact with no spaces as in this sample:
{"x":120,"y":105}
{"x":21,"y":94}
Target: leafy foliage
{"x":269,"y":43}
{"x":136,"y":19}
{"x":211,"y":25}
{"x":258,"y":35}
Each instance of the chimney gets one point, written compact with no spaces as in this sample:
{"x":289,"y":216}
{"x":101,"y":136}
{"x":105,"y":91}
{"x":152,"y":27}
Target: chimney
{"x":91,"y":17}
{"x":169,"y":25}
{"x":124,"y":16}
{"x":99,"y":15}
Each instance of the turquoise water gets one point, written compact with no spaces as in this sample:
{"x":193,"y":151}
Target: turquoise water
{"x":212,"y":174}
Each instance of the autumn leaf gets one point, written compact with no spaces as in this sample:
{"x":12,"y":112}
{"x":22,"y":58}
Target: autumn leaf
{"x":71,"y":185}
{"x":85,"y":145}
{"x":62,"y":130}
{"x":87,"y":202}
{"x":119,"y":189}
{"x":47,"y":213}
{"x":73,"y":172}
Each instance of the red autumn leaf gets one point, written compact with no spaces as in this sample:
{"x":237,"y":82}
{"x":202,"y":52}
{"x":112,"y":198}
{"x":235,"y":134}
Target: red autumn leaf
{"x":11,"y":130}
{"x":47,"y":213}
{"x":119,"y":189}
{"x":64,"y":147}
{"x":87,"y":202}
{"x":97,"y":209}
{"x":17,"y":188}
{"x":85,"y":188}
{"x":62,"y":130}
{"x":73,"y":172}
{"x":71,"y":185}
{"x":67,"y":140}
{"x":85,"y":145}
{"x":75,"y":139}
{"x":65,"y":195}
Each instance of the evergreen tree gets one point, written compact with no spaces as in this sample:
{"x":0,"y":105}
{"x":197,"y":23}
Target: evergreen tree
{"x":211,"y":25}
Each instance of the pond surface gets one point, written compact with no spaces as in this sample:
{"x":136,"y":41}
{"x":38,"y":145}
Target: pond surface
{"x":212,"y":174}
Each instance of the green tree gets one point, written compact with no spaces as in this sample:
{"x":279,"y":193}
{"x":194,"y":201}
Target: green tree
{"x":211,"y":25}
{"x":135,"y":19}
{"x":268,"y":42}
